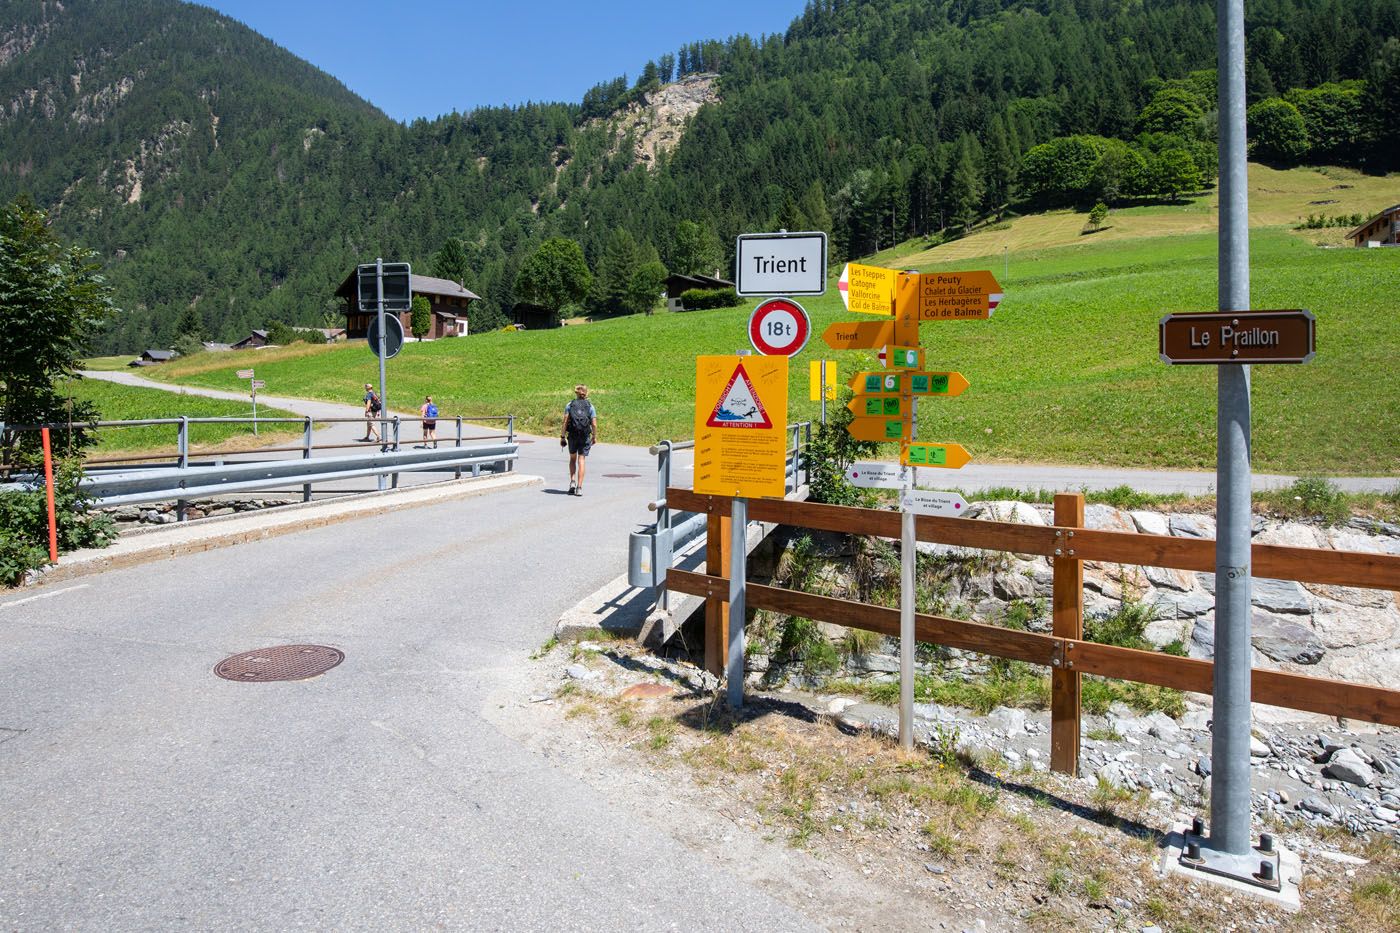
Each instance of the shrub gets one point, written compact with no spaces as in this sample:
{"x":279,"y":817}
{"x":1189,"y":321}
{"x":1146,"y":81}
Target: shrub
{"x":24,"y":525}
{"x":703,"y":299}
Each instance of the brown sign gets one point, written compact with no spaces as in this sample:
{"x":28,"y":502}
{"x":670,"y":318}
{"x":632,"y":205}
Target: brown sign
{"x":1238,"y":337}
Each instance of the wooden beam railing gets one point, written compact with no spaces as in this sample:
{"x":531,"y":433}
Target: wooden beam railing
{"x":1065,"y":651}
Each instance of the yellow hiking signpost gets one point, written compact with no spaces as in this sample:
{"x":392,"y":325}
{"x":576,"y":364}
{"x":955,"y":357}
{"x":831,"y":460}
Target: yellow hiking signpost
{"x":741,"y":425}
{"x":885,"y":404}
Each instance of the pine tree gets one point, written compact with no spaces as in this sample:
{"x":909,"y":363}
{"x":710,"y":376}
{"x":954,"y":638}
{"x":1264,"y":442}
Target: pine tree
{"x":450,"y":262}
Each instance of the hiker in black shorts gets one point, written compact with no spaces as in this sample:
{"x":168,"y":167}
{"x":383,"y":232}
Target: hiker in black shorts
{"x":578,"y":434}
{"x":372,"y":409}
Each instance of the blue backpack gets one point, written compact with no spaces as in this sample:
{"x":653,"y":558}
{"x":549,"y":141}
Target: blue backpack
{"x":432,"y":411}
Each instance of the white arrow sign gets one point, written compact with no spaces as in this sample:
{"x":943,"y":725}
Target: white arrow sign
{"x":926,"y":502}
{"x":873,"y":475}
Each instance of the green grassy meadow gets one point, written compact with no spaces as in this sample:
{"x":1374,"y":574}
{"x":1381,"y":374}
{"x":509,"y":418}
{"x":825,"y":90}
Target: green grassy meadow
{"x":129,"y":403}
{"x":1066,"y":372}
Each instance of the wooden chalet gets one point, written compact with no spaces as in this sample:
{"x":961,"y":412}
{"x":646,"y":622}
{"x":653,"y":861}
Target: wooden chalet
{"x":677,"y":285}
{"x":447,"y":299}
{"x":257,"y":338}
{"x":1381,"y":230}
{"x":153,"y":357}
{"x":534,"y":317}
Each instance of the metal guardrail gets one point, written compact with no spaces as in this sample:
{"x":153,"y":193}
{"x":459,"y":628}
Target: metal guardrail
{"x":651,"y":551}
{"x":182,"y":479}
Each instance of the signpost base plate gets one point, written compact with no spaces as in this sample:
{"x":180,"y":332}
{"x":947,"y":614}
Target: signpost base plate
{"x":1238,"y":872}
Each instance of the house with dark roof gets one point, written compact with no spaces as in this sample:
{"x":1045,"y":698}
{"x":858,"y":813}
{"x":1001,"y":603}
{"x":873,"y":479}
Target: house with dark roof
{"x":1381,"y":230}
{"x":448,"y":301}
{"x":257,"y":338}
{"x":153,"y":357}
{"x":677,"y":285}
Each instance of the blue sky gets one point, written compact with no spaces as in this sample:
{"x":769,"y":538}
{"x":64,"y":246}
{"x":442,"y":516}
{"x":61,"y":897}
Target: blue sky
{"x":423,"y":58}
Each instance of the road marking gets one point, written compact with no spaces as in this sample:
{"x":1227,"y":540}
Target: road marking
{"x":30,"y":599}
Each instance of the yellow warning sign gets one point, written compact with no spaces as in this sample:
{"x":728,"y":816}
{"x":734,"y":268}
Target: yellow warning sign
{"x":741,"y":425}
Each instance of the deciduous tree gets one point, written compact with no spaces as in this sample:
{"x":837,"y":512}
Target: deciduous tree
{"x":554,"y":275}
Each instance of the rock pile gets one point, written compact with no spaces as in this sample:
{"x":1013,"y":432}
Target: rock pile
{"x":163,"y":513}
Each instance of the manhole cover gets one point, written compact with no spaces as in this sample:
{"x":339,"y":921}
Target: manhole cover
{"x":622,"y":475}
{"x":284,"y":662}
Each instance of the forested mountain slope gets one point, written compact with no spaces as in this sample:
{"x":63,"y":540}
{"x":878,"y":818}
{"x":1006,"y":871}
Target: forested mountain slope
{"x":214,"y":170}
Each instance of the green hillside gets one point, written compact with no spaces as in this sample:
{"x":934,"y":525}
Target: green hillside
{"x":1066,"y":371}
{"x":228,"y":183}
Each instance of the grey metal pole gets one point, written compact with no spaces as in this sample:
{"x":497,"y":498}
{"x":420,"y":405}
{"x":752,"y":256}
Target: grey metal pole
{"x":1229,"y":796}
{"x":255,"y":409}
{"x":821,"y":389}
{"x":183,"y":443}
{"x":395,"y":449}
{"x":383,"y":349}
{"x":306,"y":455}
{"x":663,"y":514}
{"x":458,"y":474}
{"x":906,"y":625}
{"x":738,"y":568}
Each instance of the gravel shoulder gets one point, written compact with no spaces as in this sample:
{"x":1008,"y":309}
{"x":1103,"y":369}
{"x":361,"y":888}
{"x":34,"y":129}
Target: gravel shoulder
{"x":823,"y":812}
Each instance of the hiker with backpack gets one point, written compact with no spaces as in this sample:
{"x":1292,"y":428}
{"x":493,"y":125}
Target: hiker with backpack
{"x":429,"y":414}
{"x":372,"y":409}
{"x":578,"y":434}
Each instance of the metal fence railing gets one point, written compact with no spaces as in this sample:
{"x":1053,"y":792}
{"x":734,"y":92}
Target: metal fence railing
{"x":181,"y":475}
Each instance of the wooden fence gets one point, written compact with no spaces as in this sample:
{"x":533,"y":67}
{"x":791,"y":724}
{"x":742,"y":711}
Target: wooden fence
{"x":1068,"y":545}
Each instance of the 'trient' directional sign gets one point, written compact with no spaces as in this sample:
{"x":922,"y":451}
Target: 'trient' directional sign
{"x":1238,"y":337}
{"x":245,"y":374}
{"x":928,"y":502}
{"x":879,"y":429}
{"x":949,"y":456}
{"x":867,"y":289}
{"x":780,"y":264}
{"x":869,"y":474}
{"x":859,"y":335}
{"x":948,"y":296}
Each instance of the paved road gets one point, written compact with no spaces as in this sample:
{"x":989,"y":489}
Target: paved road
{"x":142,"y":792}
{"x":542,"y":457}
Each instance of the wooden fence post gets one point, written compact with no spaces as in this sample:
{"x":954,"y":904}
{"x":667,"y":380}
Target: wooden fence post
{"x":716,"y":605}
{"x":1067,"y":620}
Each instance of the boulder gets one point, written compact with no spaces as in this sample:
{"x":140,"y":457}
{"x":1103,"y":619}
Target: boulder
{"x":1291,"y":534}
{"x":1280,"y":595}
{"x":1003,"y":510}
{"x":1202,"y":644}
{"x":1192,"y":526}
{"x":1346,"y":765}
{"x":1108,"y":518}
{"x":1284,"y":640}
{"x":1171,"y":579}
{"x":876,"y":663}
{"x":1012,"y":586}
{"x":1186,"y":605}
{"x":1346,"y":539}
{"x":1151,"y":523}
{"x":1343,"y":625}
{"x":1165,"y":631}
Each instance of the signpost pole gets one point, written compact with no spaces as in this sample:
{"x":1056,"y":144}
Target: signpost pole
{"x":255,"y":407}
{"x":738,"y":570}
{"x":822,"y":380}
{"x":906,"y":619}
{"x":383,"y":351}
{"x":1229,"y":798}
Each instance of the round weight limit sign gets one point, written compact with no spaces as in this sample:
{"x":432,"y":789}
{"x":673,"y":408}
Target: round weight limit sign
{"x":779,"y":327}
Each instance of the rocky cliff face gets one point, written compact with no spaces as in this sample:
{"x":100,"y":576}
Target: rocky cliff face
{"x":657,"y":122}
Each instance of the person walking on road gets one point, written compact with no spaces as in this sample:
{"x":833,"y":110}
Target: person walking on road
{"x":428,"y":412}
{"x":372,"y":409}
{"x":578,"y":434}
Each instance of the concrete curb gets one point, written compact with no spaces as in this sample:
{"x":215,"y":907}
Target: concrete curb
{"x":206,"y":534}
